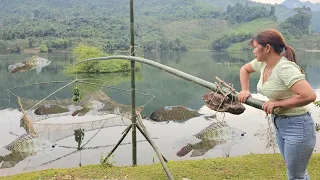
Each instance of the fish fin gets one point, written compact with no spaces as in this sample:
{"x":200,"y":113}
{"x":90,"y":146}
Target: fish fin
{"x":11,"y":67}
{"x":168,"y":108}
{"x":185,"y":150}
{"x":75,"y":112}
{"x":199,"y":152}
{"x":8,"y":164}
{"x":38,"y":69}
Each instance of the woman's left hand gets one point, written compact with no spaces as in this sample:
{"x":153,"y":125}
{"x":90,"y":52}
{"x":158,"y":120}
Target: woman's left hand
{"x":269,"y":106}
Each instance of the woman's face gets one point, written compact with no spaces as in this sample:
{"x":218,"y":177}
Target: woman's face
{"x":259,"y":51}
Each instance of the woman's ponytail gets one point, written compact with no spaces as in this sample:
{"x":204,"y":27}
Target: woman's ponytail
{"x":290,"y":55}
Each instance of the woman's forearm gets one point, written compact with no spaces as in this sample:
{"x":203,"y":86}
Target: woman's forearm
{"x":244,"y":79}
{"x":295,"y":101}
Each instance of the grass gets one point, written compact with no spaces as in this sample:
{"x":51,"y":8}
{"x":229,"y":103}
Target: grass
{"x":254,"y":166}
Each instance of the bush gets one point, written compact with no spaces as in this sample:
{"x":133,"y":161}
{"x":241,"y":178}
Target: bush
{"x":83,"y":52}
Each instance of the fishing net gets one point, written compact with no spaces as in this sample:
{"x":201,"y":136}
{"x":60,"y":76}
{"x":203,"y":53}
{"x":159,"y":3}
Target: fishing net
{"x":220,"y":102}
{"x":58,"y":115}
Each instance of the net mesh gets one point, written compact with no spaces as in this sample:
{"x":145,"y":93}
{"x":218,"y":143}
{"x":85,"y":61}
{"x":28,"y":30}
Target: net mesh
{"x":55,"y":119}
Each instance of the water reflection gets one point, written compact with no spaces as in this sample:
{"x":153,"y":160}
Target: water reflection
{"x":33,"y":62}
{"x":168,"y":90}
{"x":267,"y":133}
{"x":173,"y":113}
{"x":213,"y":135}
{"x":24,"y":146}
{"x":232,"y":58}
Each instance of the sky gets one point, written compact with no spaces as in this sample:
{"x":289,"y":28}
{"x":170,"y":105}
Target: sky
{"x":280,"y":1}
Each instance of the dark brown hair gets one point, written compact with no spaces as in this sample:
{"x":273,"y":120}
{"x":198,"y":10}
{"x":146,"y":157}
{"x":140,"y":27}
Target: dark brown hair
{"x":275,"y":39}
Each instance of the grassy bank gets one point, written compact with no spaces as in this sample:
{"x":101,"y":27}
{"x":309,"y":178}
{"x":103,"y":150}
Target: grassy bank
{"x":266,"y":166}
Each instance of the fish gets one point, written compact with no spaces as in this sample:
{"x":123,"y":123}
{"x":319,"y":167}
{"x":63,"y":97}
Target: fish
{"x":24,"y":146}
{"x":12,"y":159}
{"x":92,"y":107}
{"x":50,"y":109}
{"x":208,"y":138}
{"x":174,"y":113}
{"x":29,"y":143}
{"x":33,"y":62}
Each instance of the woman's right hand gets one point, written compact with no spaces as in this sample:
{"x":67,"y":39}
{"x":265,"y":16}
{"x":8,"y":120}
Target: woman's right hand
{"x":243,"y":96}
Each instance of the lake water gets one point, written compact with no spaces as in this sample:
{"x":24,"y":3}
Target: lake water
{"x":167,"y":90}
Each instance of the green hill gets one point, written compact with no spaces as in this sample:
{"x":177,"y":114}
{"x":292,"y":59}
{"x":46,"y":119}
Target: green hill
{"x":250,"y":27}
{"x":159,"y":24}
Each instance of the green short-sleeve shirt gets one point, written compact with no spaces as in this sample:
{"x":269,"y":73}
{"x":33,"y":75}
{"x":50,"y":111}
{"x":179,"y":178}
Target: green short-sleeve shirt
{"x":278,"y":85}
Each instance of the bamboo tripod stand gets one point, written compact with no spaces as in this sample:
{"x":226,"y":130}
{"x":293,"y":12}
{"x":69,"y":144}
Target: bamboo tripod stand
{"x":146,"y":135}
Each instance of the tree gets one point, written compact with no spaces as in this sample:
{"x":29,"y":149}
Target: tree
{"x":272,"y":13}
{"x":297,"y":25}
{"x":43,"y":48}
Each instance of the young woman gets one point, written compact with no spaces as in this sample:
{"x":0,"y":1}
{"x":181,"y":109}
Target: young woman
{"x":284,"y":83}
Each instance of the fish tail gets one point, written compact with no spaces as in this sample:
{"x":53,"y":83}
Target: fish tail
{"x":75,"y":113}
{"x":184,"y":150}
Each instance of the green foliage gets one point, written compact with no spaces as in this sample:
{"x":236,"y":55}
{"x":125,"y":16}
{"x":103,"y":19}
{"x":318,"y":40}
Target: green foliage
{"x":76,"y":94}
{"x":225,"y":41}
{"x":78,"y":137}
{"x":82,"y":52}
{"x":3,"y":47}
{"x":165,"y":45}
{"x":108,"y":162}
{"x":317,"y":103}
{"x":244,"y":13}
{"x":297,"y":25}
{"x":43,"y":48}
{"x":158,"y":23}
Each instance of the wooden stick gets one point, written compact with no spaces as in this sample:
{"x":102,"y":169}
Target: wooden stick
{"x":225,"y":84}
{"x":139,"y":120}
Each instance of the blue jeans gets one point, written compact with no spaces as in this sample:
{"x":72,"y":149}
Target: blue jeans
{"x":296,"y":139}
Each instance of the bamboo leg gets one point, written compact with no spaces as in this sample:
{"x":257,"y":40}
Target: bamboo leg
{"x":123,"y":136}
{"x":154,"y":147}
{"x":147,"y":138}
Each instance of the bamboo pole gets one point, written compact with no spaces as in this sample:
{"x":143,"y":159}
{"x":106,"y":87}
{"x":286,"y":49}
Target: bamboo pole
{"x":119,"y":142}
{"x":145,"y":133}
{"x":148,"y":139}
{"x":133,"y":88}
{"x":147,"y":136}
{"x":256,"y":103}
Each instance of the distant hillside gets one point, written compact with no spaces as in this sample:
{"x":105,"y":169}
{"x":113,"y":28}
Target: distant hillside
{"x":159,"y":24}
{"x":296,"y":3}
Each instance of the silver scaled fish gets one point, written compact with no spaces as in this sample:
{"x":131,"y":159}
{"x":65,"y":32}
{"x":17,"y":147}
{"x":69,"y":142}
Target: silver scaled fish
{"x":22,"y":147}
{"x":213,"y":135}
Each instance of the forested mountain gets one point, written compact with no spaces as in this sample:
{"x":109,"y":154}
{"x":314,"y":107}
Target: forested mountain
{"x":159,"y":24}
{"x":296,"y":3}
